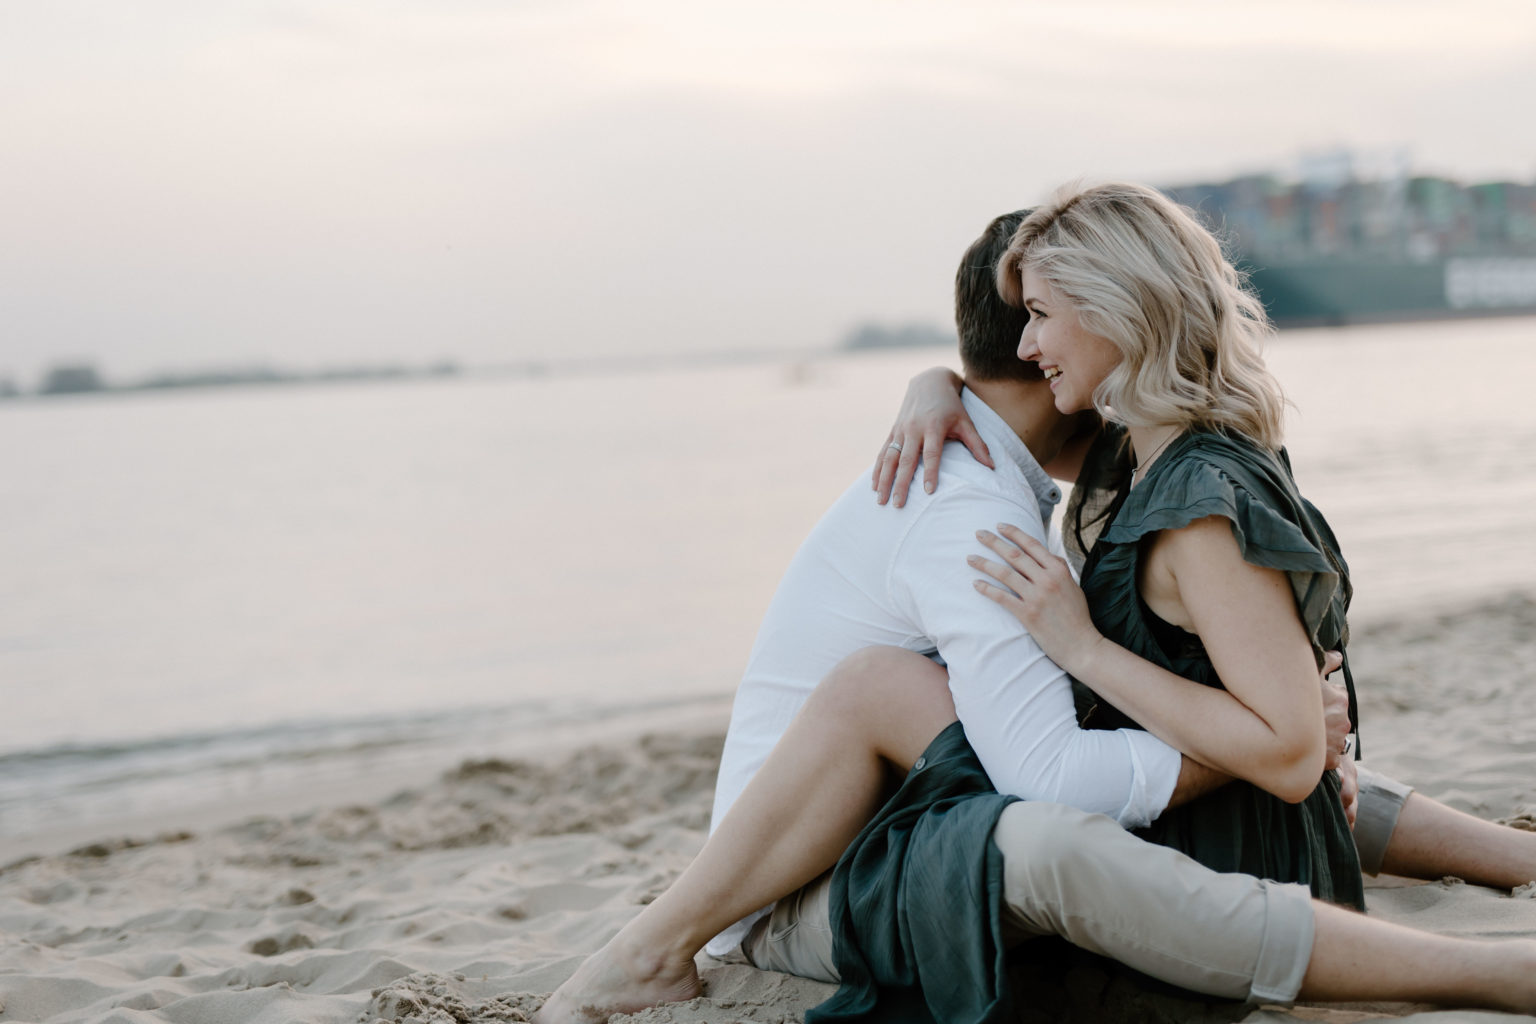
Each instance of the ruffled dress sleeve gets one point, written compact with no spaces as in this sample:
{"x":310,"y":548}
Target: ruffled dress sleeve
{"x":1212,"y":475}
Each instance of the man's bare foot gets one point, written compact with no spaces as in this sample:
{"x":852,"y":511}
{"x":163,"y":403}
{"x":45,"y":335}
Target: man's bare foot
{"x":619,"y":979}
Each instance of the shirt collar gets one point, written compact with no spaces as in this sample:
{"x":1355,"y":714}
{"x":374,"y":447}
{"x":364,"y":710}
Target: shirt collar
{"x":1001,"y":438}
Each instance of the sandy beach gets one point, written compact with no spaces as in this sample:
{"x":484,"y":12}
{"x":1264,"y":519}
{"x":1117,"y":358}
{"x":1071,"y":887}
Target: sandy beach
{"x":469,"y":896}
{"x":409,"y":410}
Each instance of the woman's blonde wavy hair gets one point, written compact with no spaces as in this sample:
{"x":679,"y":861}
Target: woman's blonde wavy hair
{"x":1143,"y":273}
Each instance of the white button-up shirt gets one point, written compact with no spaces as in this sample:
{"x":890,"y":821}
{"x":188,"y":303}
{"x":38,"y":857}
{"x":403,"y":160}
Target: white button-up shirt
{"x":869,"y":575}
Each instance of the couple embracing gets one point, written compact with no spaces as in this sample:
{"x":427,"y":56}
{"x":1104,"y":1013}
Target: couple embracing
{"x":1201,"y":821}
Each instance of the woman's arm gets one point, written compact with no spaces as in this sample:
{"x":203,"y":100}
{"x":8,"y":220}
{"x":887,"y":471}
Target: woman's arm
{"x":930,"y":413}
{"x":1266,"y":727}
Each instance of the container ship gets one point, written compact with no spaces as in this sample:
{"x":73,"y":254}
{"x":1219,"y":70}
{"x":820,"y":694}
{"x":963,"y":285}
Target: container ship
{"x":1346,"y":250}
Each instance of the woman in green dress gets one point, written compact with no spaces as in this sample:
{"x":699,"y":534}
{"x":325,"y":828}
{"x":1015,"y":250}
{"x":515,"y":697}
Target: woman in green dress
{"x":1208,"y":564}
{"x":1200,"y":560}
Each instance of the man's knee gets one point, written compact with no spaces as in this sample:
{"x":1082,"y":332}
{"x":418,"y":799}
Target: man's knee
{"x":1047,"y":829}
{"x":1050,"y":869}
{"x":1037,"y":837}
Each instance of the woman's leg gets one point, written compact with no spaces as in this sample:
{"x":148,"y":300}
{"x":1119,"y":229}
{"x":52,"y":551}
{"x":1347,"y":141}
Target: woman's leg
{"x":822,"y":783}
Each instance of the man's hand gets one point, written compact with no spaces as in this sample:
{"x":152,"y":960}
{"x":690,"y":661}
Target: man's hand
{"x":1349,"y":788}
{"x":1338,"y":727}
{"x":1336,"y":723}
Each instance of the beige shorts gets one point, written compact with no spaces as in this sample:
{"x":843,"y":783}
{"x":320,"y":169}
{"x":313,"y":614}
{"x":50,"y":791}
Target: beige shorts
{"x":1381,"y":801}
{"x":1083,"y":877}
{"x":1227,"y":935}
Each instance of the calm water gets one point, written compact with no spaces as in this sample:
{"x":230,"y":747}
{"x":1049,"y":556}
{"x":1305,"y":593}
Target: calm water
{"x":212,"y":594}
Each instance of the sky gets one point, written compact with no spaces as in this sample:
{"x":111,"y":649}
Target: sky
{"x":222,"y":183}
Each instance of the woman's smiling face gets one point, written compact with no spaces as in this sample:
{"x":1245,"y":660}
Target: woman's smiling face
{"x":1074,"y":360}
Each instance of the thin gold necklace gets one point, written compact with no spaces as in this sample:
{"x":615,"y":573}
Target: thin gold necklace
{"x":1141,"y":463}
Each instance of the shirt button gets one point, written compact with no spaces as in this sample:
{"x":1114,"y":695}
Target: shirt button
{"x":920,"y":763}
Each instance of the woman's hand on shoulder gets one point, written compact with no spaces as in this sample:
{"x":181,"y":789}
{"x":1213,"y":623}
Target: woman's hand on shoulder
{"x":1037,"y":588}
{"x":931,"y":413}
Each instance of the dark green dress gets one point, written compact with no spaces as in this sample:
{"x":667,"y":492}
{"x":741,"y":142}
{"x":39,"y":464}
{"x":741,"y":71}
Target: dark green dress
{"x":1238,"y":827}
{"x":916,"y":901}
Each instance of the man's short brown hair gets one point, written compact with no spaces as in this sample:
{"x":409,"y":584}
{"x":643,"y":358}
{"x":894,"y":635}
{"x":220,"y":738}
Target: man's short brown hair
{"x":989,"y":327}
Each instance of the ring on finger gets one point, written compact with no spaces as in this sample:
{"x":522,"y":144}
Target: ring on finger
{"x":895,"y":444}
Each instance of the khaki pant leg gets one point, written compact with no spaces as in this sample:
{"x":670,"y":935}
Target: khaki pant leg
{"x":1084,"y":878}
{"x":1381,"y":801}
{"x":797,"y":937}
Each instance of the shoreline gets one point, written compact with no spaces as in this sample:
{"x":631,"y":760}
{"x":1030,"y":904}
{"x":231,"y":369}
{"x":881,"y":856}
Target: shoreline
{"x":365,"y":785}
{"x":366,"y":779}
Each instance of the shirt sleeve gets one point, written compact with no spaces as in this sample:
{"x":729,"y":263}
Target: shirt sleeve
{"x":1015,"y":704}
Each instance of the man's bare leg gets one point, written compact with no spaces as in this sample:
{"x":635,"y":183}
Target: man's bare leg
{"x":1432,"y":840}
{"x":1357,"y":958}
{"x":822,"y":783}
{"x":1081,"y":877}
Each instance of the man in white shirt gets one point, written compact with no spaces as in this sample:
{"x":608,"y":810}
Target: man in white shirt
{"x":870,"y":576}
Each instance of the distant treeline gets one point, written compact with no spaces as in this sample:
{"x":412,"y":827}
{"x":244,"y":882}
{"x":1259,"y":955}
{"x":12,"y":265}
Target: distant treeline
{"x":913,"y":335}
{"x":83,"y":378}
